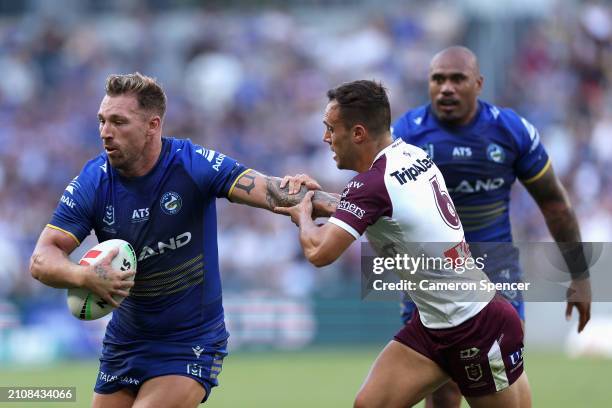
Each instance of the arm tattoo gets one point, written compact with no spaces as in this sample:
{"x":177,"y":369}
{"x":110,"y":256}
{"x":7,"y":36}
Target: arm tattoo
{"x":324,"y":203}
{"x":561,"y":221}
{"x":554,"y":203}
{"x":101,"y":272}
{"x":246,"y":183}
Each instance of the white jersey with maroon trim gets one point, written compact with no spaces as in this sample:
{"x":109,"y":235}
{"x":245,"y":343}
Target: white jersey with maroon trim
{"x":402,"y":200}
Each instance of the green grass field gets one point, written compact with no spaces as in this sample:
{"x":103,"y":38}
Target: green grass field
{"x":329,"y":378}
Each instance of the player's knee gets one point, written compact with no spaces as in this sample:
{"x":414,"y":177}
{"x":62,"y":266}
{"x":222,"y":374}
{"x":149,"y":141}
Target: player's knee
{"x":447,"y":396}
{"x":368,"y":400}
{"x":362,"y":401}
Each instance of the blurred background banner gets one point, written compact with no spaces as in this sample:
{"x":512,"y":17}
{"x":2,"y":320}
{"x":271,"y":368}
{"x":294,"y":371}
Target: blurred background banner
{"x":248,"y":78}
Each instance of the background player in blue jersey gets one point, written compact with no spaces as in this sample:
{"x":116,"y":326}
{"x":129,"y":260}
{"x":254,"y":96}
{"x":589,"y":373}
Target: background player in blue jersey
{"x":165,"y":344}
{"x":481,"y":150}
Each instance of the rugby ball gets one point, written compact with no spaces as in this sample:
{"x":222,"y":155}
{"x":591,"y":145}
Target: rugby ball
{"x":86,"y":305}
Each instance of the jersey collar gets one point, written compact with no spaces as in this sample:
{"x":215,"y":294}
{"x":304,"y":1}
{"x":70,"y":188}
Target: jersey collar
{"x":385,"y":150}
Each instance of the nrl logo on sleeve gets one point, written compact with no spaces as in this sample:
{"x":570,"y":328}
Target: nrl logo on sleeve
{"x":171,"y":203}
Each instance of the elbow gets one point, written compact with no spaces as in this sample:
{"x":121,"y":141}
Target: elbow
{"x":35,"y":269}
{"x":319,"y":259}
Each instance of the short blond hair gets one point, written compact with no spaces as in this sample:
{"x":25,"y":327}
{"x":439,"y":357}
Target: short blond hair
{"x":148,"y":92}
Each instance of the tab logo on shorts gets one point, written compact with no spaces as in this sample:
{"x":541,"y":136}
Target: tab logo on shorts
{"x":469,"y":353}
{"x":171,"y":203}
{"x":473,"y":372}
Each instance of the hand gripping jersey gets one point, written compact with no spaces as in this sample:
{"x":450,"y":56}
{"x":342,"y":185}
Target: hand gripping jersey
{"x":169,"y":217}
{"x":480,"y":161}
{"x":401,"y":199}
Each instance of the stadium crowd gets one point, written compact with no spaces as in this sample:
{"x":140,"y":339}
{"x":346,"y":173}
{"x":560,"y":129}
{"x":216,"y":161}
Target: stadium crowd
{"x":253,"y":86}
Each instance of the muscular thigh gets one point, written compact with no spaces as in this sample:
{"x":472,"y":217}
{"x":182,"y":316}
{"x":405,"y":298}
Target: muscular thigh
{"x":400,"y":377}
{"x":518,"y":395}
{"x":170,"y":391}
{"x":123,"y":398}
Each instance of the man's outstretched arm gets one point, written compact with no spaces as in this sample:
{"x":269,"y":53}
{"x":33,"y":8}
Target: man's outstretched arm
{"x":322,"y":244}
{"x":257,"y":190}
{"x":551,"y":197}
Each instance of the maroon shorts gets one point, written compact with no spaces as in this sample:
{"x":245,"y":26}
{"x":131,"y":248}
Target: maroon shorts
{"x":482,"y":355}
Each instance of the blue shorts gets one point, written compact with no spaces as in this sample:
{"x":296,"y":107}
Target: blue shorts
{"x":408,"y":309}
{"x":129,"y":364}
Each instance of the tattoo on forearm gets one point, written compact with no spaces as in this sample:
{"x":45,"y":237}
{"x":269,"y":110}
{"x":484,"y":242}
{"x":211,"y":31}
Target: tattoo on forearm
{"x":325,"y":203}
{"x":562,"y":223}
{"x":246,"y":183}
{"x":101,"y":272}
{"x":279,"y":198}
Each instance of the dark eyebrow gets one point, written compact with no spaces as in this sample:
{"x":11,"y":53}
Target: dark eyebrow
{"x":113,"y":117}
{"x":456,"y":75}
{"x":327,"y":124}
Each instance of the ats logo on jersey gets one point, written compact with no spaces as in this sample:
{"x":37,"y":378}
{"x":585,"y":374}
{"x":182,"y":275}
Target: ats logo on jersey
{"x":412,"y":172}
{"x":352,"y":208}
{"x":171,"y":203}
{"x":462,"y":152}
{"x":140,"y":215}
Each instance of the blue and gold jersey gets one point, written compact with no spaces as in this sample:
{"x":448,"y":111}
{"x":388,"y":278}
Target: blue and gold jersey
{"x":480,"y":162}
{"x":169,"y":217}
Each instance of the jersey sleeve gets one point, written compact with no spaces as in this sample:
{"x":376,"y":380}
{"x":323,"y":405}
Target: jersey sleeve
{"x":364,"y":200}
{"x":532,"y":160}
{"x":214,"y":172}
{"x":74,"y":212}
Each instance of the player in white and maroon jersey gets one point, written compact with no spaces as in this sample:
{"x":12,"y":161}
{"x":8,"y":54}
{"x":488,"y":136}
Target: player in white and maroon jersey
{"x":398,"y":197}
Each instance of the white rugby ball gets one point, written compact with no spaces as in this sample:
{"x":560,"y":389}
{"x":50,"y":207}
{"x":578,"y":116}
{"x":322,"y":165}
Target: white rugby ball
{"x":86,"y":305}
